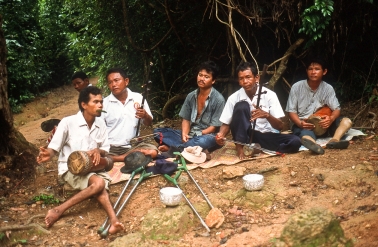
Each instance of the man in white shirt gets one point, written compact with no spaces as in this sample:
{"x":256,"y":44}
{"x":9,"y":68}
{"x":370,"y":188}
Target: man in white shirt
{"x":79,"y":81}
{"x":240,"y":111}
{"x":82,"y":132}
{"x":122,"y":113}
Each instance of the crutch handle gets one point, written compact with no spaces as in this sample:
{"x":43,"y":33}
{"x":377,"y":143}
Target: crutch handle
{"x":174,"y":179}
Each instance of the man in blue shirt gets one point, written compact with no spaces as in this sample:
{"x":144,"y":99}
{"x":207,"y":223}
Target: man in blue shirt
{"x":200,"y":115}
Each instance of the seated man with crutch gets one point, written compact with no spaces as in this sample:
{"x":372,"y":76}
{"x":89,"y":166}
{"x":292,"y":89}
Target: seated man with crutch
{"x":240,"y":110}
{"x":83,"y":132}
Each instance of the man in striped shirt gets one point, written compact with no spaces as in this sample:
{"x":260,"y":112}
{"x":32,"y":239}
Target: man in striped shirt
{"x":306,"y":98}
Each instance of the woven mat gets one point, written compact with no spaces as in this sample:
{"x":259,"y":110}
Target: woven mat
{"x":223,"y":156}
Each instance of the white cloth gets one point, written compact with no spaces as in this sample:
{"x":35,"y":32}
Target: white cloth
{"x":304,"y":101}
{"x":348,"y":136}
{"x":73,"y":134}
{"x":120,"y":118}
{"x":268,"y":102}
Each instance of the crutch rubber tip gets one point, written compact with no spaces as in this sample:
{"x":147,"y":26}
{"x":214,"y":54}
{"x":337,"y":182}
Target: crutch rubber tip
{"x":104,"y":234}
{"x":100,"y":230}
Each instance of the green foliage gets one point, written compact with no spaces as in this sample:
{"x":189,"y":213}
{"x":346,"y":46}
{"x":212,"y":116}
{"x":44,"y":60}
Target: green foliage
{"x":47,"y":199}
{"x":37,"y":52}
{"x":15,"y":106}
{"x":2,"y":235}
{"x":315,"y":19}
{"x":49,"y":39}
{"x":21,"y":241}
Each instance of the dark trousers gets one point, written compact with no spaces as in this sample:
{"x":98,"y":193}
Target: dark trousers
{"x":241,"y":130}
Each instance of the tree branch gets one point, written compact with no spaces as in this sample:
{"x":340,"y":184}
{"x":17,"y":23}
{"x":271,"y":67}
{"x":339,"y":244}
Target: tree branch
{"x":283,"y":62}
{"x":125,"y":15}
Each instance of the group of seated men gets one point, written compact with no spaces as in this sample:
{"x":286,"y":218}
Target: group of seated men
{"x":104,"y":127}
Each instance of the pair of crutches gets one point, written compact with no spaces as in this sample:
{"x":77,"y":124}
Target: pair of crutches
{"x":173,"y":180}
{"x":104,"y":229}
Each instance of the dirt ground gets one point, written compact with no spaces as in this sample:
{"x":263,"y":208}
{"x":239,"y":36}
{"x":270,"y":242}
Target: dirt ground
{"x":341,"y":181}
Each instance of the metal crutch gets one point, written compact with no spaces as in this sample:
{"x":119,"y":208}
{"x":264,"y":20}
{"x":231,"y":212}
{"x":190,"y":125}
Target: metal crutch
{"x":141,"y":178}
{"x":136,"y":171}
{"x":185,"y":168}
{"x":213,"y":211}
{"x":174,"y":181}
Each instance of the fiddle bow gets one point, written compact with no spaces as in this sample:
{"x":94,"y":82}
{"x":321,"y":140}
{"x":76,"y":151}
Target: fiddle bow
{"x":146,"y":88}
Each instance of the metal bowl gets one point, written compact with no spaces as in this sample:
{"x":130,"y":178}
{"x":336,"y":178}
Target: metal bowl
{"x":170,"y":196}
{"x":253,"y":181}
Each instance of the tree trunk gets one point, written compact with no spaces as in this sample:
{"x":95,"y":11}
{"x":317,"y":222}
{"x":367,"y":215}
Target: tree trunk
{"x":17,"y":156}
{"x":283,"y":64}
{"x":171,"y":102}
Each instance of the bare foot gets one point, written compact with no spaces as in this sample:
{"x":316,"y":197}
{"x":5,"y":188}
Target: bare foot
{"x":208,"y":155}
{"x":240,"y":151}
{"x":163,"y":148}
{"x":52,"y":216}
{"x":116,"y":227}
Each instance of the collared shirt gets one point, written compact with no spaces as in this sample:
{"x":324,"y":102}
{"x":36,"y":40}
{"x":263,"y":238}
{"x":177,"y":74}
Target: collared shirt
{"x":120,"y":118}
{"x":268,"y":102}
{"x":210,"y":113}
{"x":304,"y":101}
{"x":73,"y":134}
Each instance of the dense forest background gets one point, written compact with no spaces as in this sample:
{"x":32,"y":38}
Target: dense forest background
{"x":165,"y":40}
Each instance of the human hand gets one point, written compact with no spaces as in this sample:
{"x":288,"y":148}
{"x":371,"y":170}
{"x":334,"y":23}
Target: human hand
{"x":258,"y":113}
{"x":219,"y":139}
{"x":307,"y":126}
{"x":140,"y":113}
{"x":43,"y":156}
{"x":95,"y":154}
{"x":184,"y":137}
{"x":325,"y":122}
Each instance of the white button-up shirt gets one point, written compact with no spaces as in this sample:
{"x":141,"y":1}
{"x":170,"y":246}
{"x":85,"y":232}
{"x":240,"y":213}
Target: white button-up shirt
{"x":120,"y":118}
{"x":73,"y":134}
{"x":268,"y":102}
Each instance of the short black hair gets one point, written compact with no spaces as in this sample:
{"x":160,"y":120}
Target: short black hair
{"x":245,"y":66}
{"x":79,"y":74}
{"x":119,"y":70}
{"x":84,"y":95}
{"x":210,"y":67}
{"x":317,"y":60}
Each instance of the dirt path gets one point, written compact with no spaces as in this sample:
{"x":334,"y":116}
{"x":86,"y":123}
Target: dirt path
{"x":341,"y":181}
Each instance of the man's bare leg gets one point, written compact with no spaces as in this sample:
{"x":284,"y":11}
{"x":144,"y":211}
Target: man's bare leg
{"x":116,"y":225}
{"x":163,"y":148}
{"x":121,"y":158}
{"x":96,"y":185}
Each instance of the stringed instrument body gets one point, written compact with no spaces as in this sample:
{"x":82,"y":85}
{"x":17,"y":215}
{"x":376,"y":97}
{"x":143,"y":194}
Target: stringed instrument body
{"x":317,"y":117}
